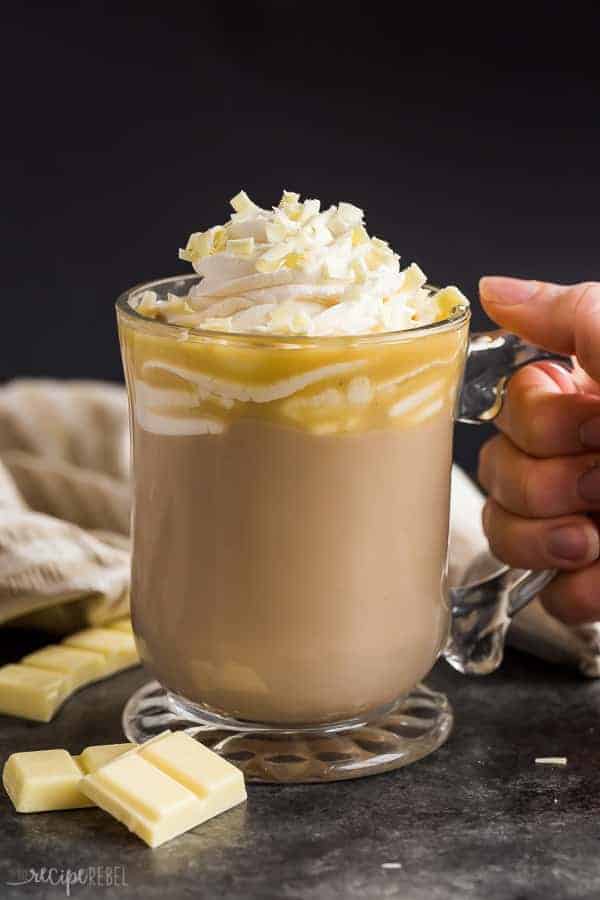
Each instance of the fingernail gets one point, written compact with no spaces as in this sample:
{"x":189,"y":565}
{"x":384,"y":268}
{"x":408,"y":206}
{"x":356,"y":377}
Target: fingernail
{"x":507,"y":291}
{"x":588,"y":485}
{"x":570,"y":542}
{"x":589,"y":433}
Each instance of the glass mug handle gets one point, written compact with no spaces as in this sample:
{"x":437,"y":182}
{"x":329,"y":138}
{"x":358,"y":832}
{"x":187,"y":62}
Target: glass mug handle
{"x":482,"y":610}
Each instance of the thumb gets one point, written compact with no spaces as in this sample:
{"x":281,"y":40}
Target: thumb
{"x":561,"y":318}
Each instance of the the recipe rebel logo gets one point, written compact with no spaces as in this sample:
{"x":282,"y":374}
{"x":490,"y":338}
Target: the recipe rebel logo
{"x":67,"y":878}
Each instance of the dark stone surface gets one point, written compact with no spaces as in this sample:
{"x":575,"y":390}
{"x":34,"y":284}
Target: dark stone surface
{"x":477,"y":819}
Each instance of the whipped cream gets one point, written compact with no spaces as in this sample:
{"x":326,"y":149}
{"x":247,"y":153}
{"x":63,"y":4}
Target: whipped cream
{"x":295,"y":270}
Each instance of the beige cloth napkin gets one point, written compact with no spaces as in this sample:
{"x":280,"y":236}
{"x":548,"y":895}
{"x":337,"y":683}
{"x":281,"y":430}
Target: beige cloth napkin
{"x":64,"y":519}
{"x":64,"y":502}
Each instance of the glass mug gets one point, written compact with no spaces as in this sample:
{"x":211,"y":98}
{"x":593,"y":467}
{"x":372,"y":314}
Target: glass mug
{"x":290,"y":533}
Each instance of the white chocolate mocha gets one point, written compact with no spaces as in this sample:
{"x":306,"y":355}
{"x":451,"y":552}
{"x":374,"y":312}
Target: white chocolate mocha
{"x":292,"y":441}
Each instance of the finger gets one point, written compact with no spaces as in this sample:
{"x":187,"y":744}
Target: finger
{"x":583,"y":382}
{"x":568,"y":542}
{"x":562,"y":318}
{"x":539,"y":488}
{"x":544,"y":414}
{"x":574,"y":597}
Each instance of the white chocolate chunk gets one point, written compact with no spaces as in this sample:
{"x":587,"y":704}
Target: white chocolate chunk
{"x":44,"y":780}
{"x":165,"y":787}
{"x":78,"y":666}
{"x":118,"y":649}
{"x":192,"y":764}
{"x":38,"y":685}
{"x":31,"y":693}
{"x":98,"y":755}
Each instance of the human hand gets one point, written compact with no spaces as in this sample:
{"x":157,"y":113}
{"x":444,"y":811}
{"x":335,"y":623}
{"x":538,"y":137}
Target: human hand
{"x":542,"y":473}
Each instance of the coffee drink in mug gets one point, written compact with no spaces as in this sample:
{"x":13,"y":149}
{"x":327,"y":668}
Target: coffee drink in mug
{"x":292,"y":407}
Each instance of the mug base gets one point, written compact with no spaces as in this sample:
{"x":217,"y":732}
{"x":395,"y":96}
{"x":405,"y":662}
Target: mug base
{"x":414,"y":727}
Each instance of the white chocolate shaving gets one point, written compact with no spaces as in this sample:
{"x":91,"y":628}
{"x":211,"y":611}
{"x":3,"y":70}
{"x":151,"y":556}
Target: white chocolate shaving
{"x":147,"y":305}
{"x":243,"y":205}
{"x":241,"y":246}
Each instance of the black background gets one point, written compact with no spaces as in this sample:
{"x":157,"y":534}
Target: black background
{"x":471,"y":137}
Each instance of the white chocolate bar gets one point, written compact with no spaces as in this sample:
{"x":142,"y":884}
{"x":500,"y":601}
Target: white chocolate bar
{"x":36,"y":687}
{"x":166,"y":786}
{"x":43,"y":780}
